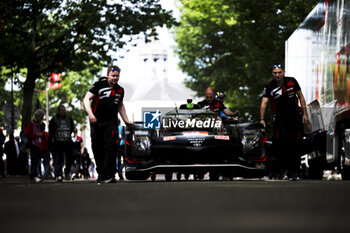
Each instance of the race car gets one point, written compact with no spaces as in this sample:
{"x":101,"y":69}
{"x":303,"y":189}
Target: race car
{"x":194,"y":141}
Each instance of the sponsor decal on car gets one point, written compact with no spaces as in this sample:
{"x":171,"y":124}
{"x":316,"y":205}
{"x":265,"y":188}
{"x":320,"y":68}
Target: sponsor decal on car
{"x":169,"y":138}
{"x":195,"y":133}
{"x":196,"y":141}
{"x":222,"y":137}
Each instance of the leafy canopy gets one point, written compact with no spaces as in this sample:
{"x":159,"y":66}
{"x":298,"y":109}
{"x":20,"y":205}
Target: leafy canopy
{"x":230,"y":45}
{"x":44,"y":36}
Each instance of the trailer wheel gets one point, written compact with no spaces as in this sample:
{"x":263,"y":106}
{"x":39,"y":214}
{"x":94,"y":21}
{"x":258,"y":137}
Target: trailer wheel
{"x":345,"y":170}
{"x":315,"y":171}
{"x":345,"y":175}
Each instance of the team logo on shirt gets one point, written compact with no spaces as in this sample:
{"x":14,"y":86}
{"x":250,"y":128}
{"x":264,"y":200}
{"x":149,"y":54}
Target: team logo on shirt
{"x":107,"y":92}
{"x":104,"y":92}
{"x":277,"y":92}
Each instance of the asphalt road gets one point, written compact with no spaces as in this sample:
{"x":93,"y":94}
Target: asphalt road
{"x":177,"y":206}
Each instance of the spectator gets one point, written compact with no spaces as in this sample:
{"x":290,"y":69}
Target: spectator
{"x":34,"y":134}
{"x":12,"y":152}
{"x":85,"y":163}
{"x":61,"y":127}
{"x":45,"y":154}
{"x":77,"y":153}
{"x":121,"y":152}
{"x":2,"y":141}
{"x":23,"y":155}
{"x":92,"y":169}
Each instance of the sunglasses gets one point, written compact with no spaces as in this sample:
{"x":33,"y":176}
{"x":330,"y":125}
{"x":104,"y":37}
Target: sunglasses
{"x":115,"y":69}
{"x":279,"y":72}
{"x":277,"y":66}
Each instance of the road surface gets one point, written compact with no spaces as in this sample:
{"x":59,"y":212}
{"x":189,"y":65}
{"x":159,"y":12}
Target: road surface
{"x":177,"y":206}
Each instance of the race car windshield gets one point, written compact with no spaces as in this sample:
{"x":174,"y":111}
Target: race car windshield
{"x":191,"y":121}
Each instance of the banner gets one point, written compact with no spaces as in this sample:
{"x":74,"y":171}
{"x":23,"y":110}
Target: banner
{"x":55,"y":81}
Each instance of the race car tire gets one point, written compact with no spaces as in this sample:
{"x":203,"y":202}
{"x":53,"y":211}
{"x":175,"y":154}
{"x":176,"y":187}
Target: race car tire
{"x":153,"y":176}
{"x":214,"y":176}
{"x":227,"y":176}
{"x":187,"y":176}
{"x":132,"y":175}
{"x":168,"y":177}
{"x":200,"y":176}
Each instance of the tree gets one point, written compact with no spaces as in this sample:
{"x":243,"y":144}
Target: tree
{"x":74,"y":86}
{"x":5,"y":81}
{"x":53,"y":35}
{"x":231,"y":45}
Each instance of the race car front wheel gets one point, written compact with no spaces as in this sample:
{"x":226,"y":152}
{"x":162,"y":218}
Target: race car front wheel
{"x":136,"y":175}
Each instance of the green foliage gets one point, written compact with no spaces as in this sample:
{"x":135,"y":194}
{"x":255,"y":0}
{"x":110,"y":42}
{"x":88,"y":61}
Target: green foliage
{"x":5,"y":78}
{"x":74,"y":86}
{"x":48,"y":35}
{"x":231,"y":45}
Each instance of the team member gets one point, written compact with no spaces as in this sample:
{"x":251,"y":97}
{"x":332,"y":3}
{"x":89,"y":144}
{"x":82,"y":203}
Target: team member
{"x":220,"y":96}
{"x":61,"y":127}
{"x":210,"y":103}
{"x":107,"y":102}
{"x":284,"y":93}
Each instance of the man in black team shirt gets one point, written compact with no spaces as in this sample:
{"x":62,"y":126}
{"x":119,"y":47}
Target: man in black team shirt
{"x":284,"y":93}
{"x":210,"y":103}
{"x":107,"y":101}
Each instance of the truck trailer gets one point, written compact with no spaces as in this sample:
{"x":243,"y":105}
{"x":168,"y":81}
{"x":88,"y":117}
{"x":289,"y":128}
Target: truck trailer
{"x":317,"y":55}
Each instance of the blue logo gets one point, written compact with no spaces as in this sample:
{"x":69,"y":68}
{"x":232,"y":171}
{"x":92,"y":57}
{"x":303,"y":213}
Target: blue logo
{"x":151,"y":119}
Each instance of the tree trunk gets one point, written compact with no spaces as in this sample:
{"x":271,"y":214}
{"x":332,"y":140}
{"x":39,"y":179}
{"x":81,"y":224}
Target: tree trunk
{"x":28,"y":91}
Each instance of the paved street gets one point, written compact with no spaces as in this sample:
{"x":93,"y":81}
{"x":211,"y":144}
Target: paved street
{"x":178,"y":206}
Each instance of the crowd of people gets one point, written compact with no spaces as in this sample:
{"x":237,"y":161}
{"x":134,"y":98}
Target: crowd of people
{"x":60,"y":153}
{"x":37,"y":154}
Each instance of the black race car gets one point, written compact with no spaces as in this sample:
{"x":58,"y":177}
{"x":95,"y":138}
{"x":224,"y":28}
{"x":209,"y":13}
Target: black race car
{"x":195,"y":141}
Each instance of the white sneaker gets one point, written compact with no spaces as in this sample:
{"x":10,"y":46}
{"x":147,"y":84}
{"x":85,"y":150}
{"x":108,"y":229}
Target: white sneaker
{"x":59,"y":179}
{"x":110,"y":181}
{"x":37,"y":179}
{"x":72,"y":177}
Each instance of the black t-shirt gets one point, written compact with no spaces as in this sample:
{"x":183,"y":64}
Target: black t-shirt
{"x":215,"y":106}
{"x":283,"y":100}
{"x":106,"y":99}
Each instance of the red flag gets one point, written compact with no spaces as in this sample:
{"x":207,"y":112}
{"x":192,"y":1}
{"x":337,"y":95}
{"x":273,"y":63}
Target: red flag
{"x":55,"y":81}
